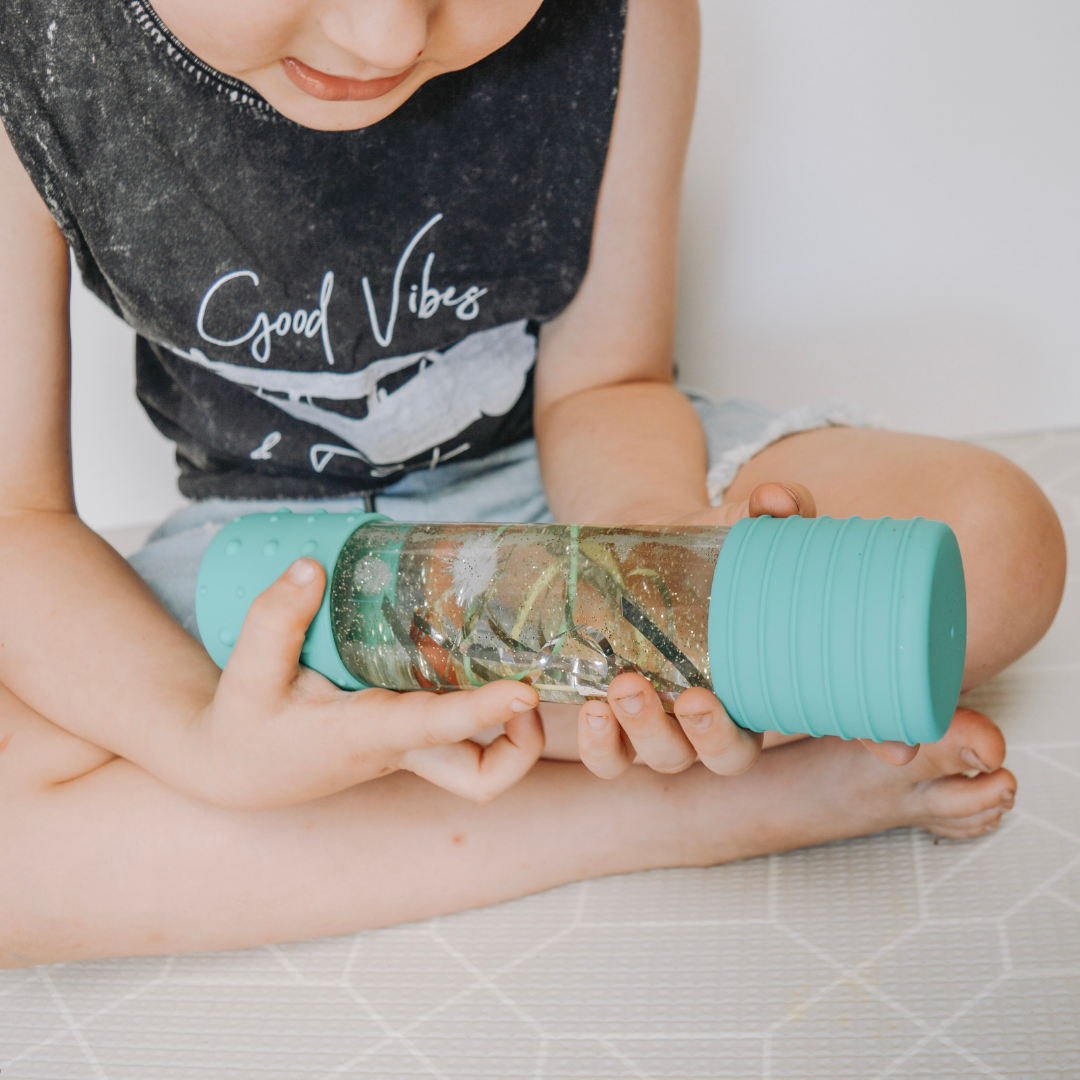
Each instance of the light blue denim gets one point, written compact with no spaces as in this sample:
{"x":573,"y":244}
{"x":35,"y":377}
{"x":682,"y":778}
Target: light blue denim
{"x":504,"y":486}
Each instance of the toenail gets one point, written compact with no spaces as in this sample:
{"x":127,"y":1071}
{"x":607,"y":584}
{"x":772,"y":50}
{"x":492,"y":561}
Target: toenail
{"x":631,"y":704}
{"x":1007,"y":799}
{"x":697,"y":719}
{"x":970,"y":758}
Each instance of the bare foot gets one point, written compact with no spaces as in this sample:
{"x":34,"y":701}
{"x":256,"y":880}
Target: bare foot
{"x":816,"y":790}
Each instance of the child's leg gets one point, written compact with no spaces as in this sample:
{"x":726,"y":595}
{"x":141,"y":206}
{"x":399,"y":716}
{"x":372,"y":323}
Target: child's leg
{"x":115,"y":863}
{"x":1010,"y":538}
{"x":97,"y":858}
{"x":1012,"y":544}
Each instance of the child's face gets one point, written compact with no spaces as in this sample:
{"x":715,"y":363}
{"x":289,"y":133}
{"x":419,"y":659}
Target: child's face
{"x":342,"y":64}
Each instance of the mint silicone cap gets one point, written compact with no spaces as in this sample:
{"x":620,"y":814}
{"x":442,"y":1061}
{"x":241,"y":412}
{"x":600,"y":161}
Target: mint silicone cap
{"x":250,"y":554}
{"x":848,"y":627}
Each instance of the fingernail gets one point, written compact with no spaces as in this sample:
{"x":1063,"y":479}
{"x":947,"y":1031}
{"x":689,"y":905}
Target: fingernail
{"x":632,"y":704}
{"x":697,"y":719}
{"x":302,"y":572}
{"x":1007,"y":799}
{"x":971,"y":759}
{"x":597,"y":721}
{"x":517,"y":705}
{"x":795,"y":498}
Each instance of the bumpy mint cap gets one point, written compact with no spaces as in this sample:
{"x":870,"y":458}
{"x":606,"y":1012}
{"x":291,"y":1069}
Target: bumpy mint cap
{"x":250,"y":554}
{"x":848,"y":627}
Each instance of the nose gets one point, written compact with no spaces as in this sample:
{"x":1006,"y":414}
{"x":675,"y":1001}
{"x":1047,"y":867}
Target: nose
{"x":387,"y":35}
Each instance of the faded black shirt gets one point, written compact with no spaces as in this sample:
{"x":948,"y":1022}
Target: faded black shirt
{"x":318,"y":312}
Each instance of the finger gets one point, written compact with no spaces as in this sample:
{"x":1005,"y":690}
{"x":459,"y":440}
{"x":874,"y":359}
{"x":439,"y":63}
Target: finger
{"x":482,"y":773}
{"x":417,"y":720}
{"x":892,"y":753}
{"x":602,"y":742}
{"x":657,"y":738}
{"x":723,"y":746}
{"x":267,"y":652}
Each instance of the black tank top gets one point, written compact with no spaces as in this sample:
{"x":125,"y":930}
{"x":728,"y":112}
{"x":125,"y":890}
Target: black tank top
{"x":318,"y":312}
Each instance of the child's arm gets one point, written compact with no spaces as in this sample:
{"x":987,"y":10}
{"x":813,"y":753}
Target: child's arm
{"x":85,"y":644}
{"x":618,"y":443}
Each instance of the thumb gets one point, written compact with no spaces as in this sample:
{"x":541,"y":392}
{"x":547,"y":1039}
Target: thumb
{"x":267,"y":652}
{"x":778,"y":499}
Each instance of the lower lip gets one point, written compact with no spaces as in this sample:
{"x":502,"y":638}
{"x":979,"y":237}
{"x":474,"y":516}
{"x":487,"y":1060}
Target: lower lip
{"x":334,"y":88}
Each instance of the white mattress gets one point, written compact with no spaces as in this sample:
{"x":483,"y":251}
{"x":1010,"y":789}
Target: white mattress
{"x":898,"y":955}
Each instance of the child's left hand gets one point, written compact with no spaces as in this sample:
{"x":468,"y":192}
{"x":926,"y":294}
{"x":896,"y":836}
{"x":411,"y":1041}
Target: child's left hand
{"x":632,"y":725}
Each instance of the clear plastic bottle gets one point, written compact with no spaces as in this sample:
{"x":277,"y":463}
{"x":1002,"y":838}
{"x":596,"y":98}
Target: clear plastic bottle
{"x":846,"y":627}
{"x":565,"y":608}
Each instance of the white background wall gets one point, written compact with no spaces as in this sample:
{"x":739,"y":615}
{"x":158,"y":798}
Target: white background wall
{"x":125,"y":472}
{"x":881,"y":208}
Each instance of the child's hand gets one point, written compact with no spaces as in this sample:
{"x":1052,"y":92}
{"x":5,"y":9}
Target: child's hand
{"x":276,"y":733}
{"x":632,"y":725}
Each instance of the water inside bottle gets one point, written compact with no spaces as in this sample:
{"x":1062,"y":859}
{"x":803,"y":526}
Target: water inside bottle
{"x":564,"y":608}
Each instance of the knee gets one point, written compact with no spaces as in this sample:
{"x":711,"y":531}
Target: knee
{"x":1014,"y":559}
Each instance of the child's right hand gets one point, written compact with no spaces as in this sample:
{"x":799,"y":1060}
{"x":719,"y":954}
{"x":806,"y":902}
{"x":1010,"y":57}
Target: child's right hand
{"x":277,"y":733}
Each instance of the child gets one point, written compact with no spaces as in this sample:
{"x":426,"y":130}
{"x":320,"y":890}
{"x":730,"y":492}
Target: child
{"x":371,"y":247}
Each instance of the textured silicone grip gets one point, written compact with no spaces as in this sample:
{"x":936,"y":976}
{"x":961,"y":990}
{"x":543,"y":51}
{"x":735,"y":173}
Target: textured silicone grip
{"x":250,"y":554}
{"x":846,"y":627}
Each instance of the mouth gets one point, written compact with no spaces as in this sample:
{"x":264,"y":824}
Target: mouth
{"x":319,"y":84}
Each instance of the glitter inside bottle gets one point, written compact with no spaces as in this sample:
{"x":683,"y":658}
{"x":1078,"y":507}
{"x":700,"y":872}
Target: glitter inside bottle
{"x":564,"y":608}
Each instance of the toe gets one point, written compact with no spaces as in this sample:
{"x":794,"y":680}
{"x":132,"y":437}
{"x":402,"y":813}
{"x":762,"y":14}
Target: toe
{"x":958,"y":797}
{"x":965,"y":828}
{"x":973,"y":743}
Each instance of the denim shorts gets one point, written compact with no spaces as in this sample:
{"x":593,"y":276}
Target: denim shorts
{"x":504,"y":486}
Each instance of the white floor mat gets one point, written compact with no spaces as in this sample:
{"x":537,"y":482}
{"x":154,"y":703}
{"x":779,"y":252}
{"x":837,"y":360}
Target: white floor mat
{"x":896,"y":955}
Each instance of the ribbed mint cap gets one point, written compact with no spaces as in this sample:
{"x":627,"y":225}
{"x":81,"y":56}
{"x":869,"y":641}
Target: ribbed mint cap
{"x":848,"y":627}
{"x":250,"y":554}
